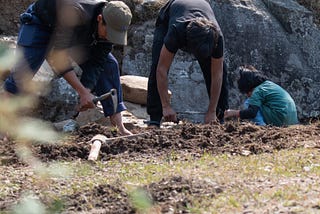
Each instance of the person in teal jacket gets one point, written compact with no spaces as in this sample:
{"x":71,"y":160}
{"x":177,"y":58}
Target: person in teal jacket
{"x":275,"y":104}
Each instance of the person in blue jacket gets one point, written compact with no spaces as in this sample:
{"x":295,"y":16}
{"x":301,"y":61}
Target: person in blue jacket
{"x":275,"y":104}
{"x":63,"y":32}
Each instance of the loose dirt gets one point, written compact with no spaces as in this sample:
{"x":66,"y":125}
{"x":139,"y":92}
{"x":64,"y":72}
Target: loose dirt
{"x":184,"y":139}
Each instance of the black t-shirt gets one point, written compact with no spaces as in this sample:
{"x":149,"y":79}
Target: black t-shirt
{"x":177,"y":14}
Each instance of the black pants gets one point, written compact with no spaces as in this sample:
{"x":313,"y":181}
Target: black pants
{"x":154,"y":107}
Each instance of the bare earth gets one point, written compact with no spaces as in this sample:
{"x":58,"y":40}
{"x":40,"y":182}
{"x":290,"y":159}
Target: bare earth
{"x":172,"y":194}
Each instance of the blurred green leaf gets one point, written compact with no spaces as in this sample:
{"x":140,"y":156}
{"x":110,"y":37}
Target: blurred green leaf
{"x":30,"y":129}
{"x":59,"y":170}
{"x":56,"y":207}
{"x":7,"y":57}
{"x":29,"y":205}
{"x":140,"y":200}
{"x":9,"y":107}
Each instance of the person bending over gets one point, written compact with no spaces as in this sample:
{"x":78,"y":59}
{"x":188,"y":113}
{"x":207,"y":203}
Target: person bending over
{"x":189,"y":25}
{"x":81,"y":31}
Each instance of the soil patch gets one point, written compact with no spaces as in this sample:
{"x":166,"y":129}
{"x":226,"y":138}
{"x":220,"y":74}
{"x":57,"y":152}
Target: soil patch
{"x":171,"y":194}
{"x":232,"y":138}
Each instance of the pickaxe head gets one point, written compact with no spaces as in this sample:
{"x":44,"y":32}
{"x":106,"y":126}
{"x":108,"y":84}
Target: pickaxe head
{"x":114,"y":96}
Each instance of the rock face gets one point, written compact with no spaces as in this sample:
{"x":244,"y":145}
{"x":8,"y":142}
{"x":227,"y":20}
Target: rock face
{"x":278,"y":37}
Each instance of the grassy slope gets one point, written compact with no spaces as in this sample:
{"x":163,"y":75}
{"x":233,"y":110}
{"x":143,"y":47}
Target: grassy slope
{"x":286,"y":180}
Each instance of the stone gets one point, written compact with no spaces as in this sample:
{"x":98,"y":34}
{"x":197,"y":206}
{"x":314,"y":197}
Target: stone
{"x":92,"y":115}
{"x":139,"y":111}
{"x":135,"y":89}
{"x":66,"y":125}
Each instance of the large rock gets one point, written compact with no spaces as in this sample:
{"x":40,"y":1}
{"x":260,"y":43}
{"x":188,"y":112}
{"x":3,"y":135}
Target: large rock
{"x":58,"y":100}
{"x":135,"y":89}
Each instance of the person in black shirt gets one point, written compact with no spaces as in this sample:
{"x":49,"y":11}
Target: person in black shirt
{"x":189,"y":25}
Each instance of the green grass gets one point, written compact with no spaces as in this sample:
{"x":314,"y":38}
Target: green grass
{"x":287,"y":178}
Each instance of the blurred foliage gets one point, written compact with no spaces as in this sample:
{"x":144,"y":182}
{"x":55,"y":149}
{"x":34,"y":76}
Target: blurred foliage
{"x":16,"y":126}
{"x":6,"y":58}
{"x":29,"y":204}
{"x":140,"y":200}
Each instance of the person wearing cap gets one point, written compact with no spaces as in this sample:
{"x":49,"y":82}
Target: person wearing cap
{"x":64,"y":32}
{"x":189,"y":25}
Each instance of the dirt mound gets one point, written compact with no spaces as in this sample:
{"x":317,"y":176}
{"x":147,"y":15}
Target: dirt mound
{"x":232,"y":138}
{"x":186,"y":138}
{"x":107,"y":199}
{"x":172,"y":194}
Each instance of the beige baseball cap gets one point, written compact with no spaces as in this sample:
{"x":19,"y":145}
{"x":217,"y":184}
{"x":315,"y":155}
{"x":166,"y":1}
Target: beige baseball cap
{"x":118,"y":16}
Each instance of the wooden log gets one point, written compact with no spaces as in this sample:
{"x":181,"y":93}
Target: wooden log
{"x":97,"y":140}
{"x":95,"y":149}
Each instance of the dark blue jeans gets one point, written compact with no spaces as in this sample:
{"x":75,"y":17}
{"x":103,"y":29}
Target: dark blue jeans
{"x":33,"y":46}
{"x":109,"y":78}
{"x":154,"y":107}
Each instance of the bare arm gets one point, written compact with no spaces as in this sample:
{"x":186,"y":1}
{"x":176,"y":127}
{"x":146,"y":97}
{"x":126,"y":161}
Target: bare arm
{"x":216,"y":82}
{"x":231,"y":113}
{"x":165,"y":60}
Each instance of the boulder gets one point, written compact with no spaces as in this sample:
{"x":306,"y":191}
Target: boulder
{"x":135,"y":89}
{"x":137,"y":110}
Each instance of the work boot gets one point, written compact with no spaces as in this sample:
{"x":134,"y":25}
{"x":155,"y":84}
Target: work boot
{"x":152,"y":124}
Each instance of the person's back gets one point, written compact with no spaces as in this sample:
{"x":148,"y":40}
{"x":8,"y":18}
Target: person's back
{"x":178,"y":16}
{"x":275,"y":103}
{"x":277,"y":106}
{"x":188,"y":9}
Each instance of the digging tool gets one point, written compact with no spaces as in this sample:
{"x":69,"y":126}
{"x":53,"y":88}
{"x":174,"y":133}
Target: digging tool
{"x":133,"y":136}
{"x":95,"y":146}
{"x":113,"y":94}
{"x":98,"y":139}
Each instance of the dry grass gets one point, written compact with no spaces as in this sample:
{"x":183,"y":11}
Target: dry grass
{"x":286,"y":180}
